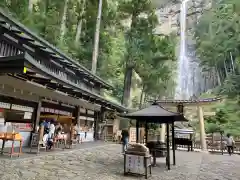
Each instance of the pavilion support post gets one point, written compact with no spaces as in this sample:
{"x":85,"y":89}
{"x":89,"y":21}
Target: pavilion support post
{"x":37,"y":115}
{"x":173,"y":144}
{"x":163,"y":133}
{"x":96,"y":126}
{"x":137,"y":131}
{"x":202,"y":129}
{"x":191,"y":138}
{"x":146,"y":132}
{"x":168,"y":149}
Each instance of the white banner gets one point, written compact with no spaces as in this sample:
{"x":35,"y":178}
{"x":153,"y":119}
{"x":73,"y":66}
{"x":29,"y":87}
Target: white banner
{"x":82,"y":110}
{"x":22,"y":108}
{"x":27,"y":115}
{"x":5,"y":105}
{"x":55,"y":111}
{"x":90,"y":119}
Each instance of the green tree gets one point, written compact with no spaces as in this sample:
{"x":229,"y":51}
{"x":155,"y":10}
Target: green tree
{"x":120,"y":47}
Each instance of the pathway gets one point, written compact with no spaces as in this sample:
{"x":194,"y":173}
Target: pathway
{"x":106,"y":162}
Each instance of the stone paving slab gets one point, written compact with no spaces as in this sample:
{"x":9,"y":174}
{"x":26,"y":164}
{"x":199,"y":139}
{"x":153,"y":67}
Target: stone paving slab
{"x":106,"y":163}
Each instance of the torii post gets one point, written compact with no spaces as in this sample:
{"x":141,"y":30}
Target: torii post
{"x":180,"y":104}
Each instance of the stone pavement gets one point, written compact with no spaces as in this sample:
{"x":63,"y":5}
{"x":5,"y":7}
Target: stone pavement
{"x":106,"y":163}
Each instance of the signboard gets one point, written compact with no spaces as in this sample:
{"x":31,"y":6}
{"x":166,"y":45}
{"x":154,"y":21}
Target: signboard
{"x":34,"y":141}
{"x":23,"y":126}
{"x":135,"y":164}
{"x":5,"y":105}
{"x":82,"y":117}
{"x":90,"y":112}
{"x":90,"y":119}
{"x":27,"y":115}
{"x":21,"y":108}
{"x":55,"y":111}
{"x":82,"y":110}
{"x":132,"y":135}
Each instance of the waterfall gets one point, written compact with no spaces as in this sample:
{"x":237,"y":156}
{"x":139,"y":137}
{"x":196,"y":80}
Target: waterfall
{"x":185,"y":81}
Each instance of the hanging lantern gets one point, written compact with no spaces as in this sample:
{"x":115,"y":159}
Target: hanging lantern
{"x":180,"y":108}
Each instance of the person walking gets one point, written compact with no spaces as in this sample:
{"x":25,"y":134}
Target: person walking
{"x":85,"y":131}
{"x":125,"y":138}
{"x":230,"y":144}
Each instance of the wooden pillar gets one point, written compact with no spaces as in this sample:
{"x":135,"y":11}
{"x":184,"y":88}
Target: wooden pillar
{"x":96,"y":125}
{"x":221,"y":133}
{"x":163,"y":133}
{"x":168,"y":149}
{"x":173,"y":144}
{"x":77,"y":115}
{"x":146,"y":133}
{"x":102,"y":119}
{"x":137,"y":131}
{"x":71,"y":140}
{"x":37,"y":115}
{"x":102,"y":114}
{"x":202,"y":129}
{"x":191,"y":138}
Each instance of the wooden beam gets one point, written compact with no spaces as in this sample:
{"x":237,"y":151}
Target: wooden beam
{"x":23,"y":96}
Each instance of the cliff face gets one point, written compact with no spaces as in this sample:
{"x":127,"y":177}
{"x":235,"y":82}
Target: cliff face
{"x":168,"y":12}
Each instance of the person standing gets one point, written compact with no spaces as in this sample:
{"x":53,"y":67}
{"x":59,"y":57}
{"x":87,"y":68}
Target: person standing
{"x":125,"y":137}
{"x":230,"y":144}
{"x":78,"y":131}
{"x":86,"y":130}
{"x":51,"y":129}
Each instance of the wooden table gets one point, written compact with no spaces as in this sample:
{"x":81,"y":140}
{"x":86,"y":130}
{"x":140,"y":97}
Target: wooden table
{"x":14,"y":137}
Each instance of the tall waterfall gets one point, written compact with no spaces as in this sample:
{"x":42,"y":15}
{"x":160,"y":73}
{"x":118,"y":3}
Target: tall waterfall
{"x":188,"y":71}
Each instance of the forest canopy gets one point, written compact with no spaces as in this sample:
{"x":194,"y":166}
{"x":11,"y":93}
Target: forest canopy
{"x":217,"y":41}
{"x":127,"y":45}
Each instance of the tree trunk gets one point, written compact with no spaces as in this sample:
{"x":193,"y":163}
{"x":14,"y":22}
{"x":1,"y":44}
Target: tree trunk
{"x":218,"y":77}
{"x":80,"y":21}
{"x":233,"y":66}
{"x":129,"y":67}
{"x":96,"y":38}
{"x":127,"y":86}
{"x":225,"y":68}
{"x":46,"y":8}
{"x":63,"y":21}
{"x":30,"y":5}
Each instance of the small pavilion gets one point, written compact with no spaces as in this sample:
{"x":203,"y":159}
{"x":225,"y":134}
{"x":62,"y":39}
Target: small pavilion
{"x":157,"y":114}
{"x":194,"y":101}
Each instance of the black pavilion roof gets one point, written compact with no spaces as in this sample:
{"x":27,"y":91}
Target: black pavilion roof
{"x":155,"y":114}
